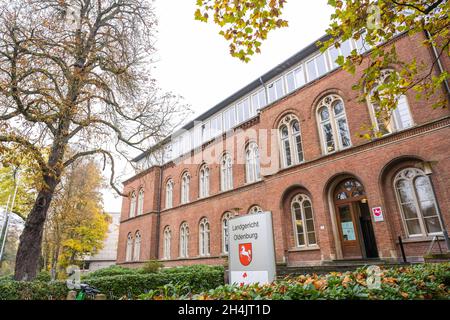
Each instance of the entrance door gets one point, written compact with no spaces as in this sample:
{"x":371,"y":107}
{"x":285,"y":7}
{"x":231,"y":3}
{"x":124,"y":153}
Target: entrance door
{"x":365,"y":222}
{"x":348,"y":228}
{"x":354,"y":221}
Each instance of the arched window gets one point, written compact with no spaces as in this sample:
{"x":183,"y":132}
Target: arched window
{"x":133,"y":204}
{"x":129,"y":251}
{"x":255,"y":209}
{"x":137,"y":247}
{"x":389,"y":121}
{"x":167,"y":242}
{"x":252,"y":164}
{"x":302,"y":217}
{"x":333,"y":126}
{"x":417,"y":203}
{"x":169,"y":194}
{"x":226,"y":173}
{"x":204,"y":237}
{"x":204,"y":181}
{"x":184,"y":240}
{"x":225,"y":232}
{"x":140,"y":208}
{"x":185,"y":181}
{"x":291,"y":141}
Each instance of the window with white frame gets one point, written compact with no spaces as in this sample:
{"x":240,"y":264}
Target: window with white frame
{"x":176,"y":147}
{"x":197,"y":138}
{"x":133,"y":205}
{"x":216,"y":125}
{"x":184,"y":240}
{"x":140,"y":208}
{"x":252,"y":163}
{"x":344,"y":50}
{"x":225,"y":231}
{"x":204,"y":237}
{"x":137,"y":247}
{"x":255,"y":209}
{"x":295,"y":79}
{"x":167,"y":242}
{"x":229,"y":118}
{"x":333,"y":127}
{"x":291,"y":141}
{"x":185,"y":183}
{"x":316,"y":67}
{"x":169,"y":194}
{"x":226,"y":172}
{"x":275,"y":90}
{"x":360,"y":44}
{"x":206,"y":131}
{"x":204,"y":181}
{"x":303,"y":221}
{"x":389,"y":121}
{"x":243,"y":110}
{"x":186,"y":142}
{"x":417,"y":203}
{"x":258,"y":101}
{"x":129,"y":250}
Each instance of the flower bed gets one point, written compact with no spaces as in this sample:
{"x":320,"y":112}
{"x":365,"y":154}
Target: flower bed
{"x":423,"y":281}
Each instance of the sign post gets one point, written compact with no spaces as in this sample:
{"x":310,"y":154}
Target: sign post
{"x":251,"y":249}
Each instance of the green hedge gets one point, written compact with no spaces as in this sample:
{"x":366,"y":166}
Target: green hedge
{"x":132,"y":285}
{"x":35,"y":290}
{"x":118,"y":282}
{"x":110,"y":271}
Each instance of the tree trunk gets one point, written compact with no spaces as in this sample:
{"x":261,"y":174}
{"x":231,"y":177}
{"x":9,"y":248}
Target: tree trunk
{"x":55,"y":258}
{"x":29,"y":252}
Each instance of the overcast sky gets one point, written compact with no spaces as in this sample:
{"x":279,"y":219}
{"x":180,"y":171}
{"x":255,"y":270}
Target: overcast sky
{"x":194,"y":62}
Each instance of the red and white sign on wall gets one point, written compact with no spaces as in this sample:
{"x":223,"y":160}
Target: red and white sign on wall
{"x":377,"y":214}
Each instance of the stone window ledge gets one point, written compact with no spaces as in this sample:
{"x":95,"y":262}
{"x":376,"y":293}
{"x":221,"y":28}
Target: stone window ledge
{"x":310,"y":248}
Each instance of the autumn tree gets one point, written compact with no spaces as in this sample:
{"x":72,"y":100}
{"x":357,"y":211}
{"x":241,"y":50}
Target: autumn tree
{"x":76,"y":224}
{"x":75,"y":74}
{"x":17,"y":173}
{"x":245,"y":23}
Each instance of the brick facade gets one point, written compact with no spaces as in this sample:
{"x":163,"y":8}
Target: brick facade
{"x":373,"y":163}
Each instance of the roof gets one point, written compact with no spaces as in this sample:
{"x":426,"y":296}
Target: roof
{"x":279,"y":69}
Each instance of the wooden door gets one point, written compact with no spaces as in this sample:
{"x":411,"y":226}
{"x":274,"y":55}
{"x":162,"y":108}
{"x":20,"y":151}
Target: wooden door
{"x":348,"y":229}
{"x":347,"y":197}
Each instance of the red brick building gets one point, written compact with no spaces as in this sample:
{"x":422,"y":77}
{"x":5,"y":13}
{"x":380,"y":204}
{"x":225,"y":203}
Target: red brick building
{"x":290,"y":143}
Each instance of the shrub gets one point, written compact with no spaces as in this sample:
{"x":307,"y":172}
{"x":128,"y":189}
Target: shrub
{"x":152,"y":266}
{"x":132,"y":285}
{"x":110,"y":271}
{"x":44,"y":276}
{"x":423,"y":281}
{"x":34,"y":290}
{"x":194,"y":268}
{"x":118,"y":282}
{"x":6,"y":278}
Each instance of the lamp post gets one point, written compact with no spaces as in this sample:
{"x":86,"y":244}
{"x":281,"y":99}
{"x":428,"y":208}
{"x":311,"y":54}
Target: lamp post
{"x":9,"y":211}
{"x":427,"y":169}
{"x":236,"y":211}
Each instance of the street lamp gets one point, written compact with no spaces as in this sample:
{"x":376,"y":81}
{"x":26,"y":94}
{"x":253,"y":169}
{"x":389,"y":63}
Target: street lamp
{"x":9,"y":211}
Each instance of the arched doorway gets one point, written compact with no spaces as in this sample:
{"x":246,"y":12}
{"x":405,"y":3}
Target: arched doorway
{"x":353,"y":220}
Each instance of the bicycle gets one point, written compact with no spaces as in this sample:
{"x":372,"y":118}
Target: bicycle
{"x":86,"y":291}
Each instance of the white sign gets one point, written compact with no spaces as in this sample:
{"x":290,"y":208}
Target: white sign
{"x":251,"y":249}
{"x":377,"y":214}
